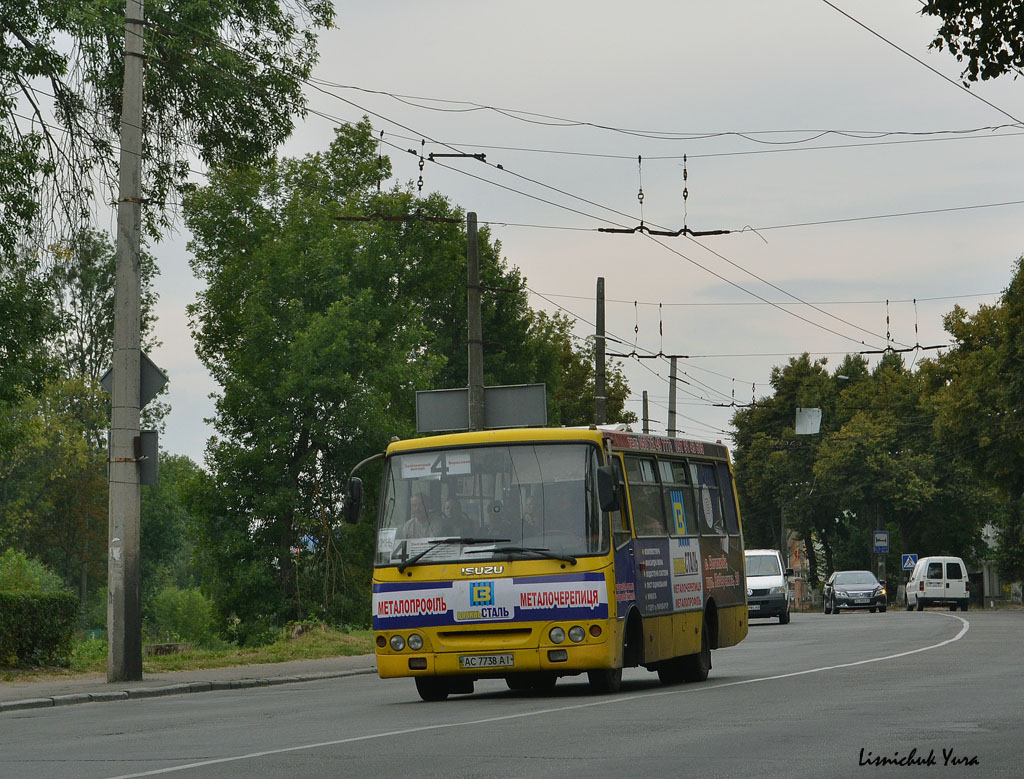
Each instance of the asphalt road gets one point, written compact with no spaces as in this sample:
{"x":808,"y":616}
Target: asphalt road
{"x":823,"y":696}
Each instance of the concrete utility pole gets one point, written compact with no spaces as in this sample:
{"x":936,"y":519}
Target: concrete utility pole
{"x":672,"y":398}
{"x":124,"y":604}
{"x":600,"y":398}
{"x":476,"y":336}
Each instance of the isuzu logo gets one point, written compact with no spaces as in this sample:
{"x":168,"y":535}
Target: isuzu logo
{"x":482,"y":570}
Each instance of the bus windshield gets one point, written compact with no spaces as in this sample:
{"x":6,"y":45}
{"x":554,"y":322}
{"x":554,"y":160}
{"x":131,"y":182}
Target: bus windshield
{"x":521,"y":501}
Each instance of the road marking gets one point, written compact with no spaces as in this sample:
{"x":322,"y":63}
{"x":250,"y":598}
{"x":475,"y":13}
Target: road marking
{"x":506,"y":717}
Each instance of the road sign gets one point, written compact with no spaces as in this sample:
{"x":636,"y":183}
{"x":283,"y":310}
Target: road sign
{"x":881,"y":542}
{"x":909,"y":561}
{"x":515,"y":405}
{"x":151,"y":380}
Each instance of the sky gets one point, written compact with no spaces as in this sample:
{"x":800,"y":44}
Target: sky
{"x":866,"y":193}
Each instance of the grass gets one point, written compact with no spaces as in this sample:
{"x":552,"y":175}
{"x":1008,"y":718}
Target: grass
{"x":91,"y":656}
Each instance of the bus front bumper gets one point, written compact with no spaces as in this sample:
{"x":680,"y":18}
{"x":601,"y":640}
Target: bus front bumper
{"x":564,"y":660}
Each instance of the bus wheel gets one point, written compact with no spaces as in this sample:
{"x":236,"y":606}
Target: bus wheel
{"x":432,"y":688}
{"x":605,"y":680}
{"x":696,"y":667}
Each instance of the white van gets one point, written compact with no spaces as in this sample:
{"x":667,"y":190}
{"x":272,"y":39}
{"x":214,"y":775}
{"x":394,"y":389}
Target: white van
{"x":767,"y":587}
{"x":939,"y":581}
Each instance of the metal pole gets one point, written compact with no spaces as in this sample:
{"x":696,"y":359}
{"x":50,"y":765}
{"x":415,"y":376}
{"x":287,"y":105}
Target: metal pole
{"x":476,"y":338}
{"x":672,"y":398}
{"x":647,"y":424}
{"x":600,"y":399}
{"x":124,"y":604}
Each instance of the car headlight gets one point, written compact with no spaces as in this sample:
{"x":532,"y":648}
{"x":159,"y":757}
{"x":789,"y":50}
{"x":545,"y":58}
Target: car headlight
{"x":415,"y":642}
{"x":557,"y":635}
{"x":777,"y":591}
{"x":577,"y":634}
{"x":397,"y":643}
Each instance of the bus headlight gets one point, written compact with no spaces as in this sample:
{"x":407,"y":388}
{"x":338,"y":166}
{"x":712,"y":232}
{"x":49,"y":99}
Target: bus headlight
{"x":397,"y":643}
{"x":577,"y":634}
{"x":557,"y":635}
{"x":415,"y":642}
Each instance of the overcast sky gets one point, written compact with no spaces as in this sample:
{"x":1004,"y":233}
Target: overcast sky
{"x":805,"y":133}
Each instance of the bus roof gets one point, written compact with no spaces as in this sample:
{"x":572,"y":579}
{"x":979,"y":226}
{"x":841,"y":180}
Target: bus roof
{"x":505,"y":436}
{"x":621,"y":440}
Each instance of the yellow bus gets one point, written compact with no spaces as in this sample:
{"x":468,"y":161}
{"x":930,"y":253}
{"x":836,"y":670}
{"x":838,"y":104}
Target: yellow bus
{"x":531,"y":554}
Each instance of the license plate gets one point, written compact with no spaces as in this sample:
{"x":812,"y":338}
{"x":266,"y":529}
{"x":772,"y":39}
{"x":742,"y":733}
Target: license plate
{"x":863,"y":600}
{"x":754,"y":607}
{"x":485,"y":661}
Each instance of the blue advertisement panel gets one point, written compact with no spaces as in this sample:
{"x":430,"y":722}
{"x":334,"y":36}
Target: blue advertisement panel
{"x":625,"y":577}
{"x":479,"y":601}
{"x":654,"y":576}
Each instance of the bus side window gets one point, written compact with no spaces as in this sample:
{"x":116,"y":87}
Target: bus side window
{"x":709,"y":499}
{"x":732,"y":517}
{"x":677,"y":495}
{"x":645,"y":497}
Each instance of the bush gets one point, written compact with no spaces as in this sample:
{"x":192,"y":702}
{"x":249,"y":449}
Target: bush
{"x":37,"y":613}
{"x":183,"y":615}
{"x":252,"y":632}
{"x":20,"y":573}
{"x":36,"y":628}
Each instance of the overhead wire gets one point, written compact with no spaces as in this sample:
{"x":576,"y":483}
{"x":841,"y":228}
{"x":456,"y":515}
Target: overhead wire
{"x":941,"y":75}
{"x":571,"y":195}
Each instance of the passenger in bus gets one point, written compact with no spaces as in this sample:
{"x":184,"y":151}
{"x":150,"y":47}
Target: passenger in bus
{"x":419,"y":524}
{"x":455,"y":521}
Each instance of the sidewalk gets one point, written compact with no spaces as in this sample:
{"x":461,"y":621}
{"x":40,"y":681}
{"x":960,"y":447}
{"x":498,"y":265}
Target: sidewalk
{"x":15,"y":696}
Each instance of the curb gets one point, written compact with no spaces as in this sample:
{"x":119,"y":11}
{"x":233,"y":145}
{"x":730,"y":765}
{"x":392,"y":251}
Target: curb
{"x":171,"y":689}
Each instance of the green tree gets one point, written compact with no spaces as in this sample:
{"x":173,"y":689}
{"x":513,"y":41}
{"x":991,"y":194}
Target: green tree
{"x":320,"y":330}
{"x":317,"y":340}
{"x":775,"y":467}
{"x":987,"y":36}
{"x":979,"y":385}
{"x":28,"y":325}
{"x":81,"y":286}
{"x":53,"y":499}
{"x":167,"y":529}
{"x":876,"y":464}
{"x":223,"y":80}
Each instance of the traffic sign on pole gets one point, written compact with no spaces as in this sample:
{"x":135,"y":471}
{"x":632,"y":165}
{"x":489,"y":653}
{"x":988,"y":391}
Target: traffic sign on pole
{"x":881,"y":542}
{"x":909,"y":561}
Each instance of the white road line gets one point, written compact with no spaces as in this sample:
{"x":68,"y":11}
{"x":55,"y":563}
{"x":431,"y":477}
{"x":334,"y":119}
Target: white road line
{"x":505,"y":717}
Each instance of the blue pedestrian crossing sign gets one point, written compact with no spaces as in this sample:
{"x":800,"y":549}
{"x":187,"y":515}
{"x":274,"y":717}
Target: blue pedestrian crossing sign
{"x":909,"y":561}
{"x":881,"y":542}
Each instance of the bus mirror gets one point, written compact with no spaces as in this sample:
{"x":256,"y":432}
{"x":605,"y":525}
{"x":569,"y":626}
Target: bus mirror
{"x":606,"y":491}
{"x":353,"y":500}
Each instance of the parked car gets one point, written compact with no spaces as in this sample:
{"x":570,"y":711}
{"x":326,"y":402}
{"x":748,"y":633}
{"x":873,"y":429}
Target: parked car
{"x":767,"y":587}
{"x":939,"y":581}
{"x":853,"y":590}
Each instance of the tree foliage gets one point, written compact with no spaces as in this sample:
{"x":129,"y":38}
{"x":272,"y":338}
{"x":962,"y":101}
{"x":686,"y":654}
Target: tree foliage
{"x":979,"y":386}
{"x":877,"y":463}
{"x":986,"y":36}
{"x":222,"y":80}
{"x":320,"y":331}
